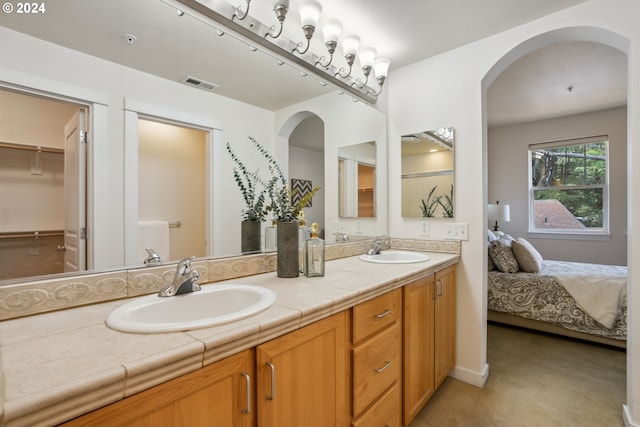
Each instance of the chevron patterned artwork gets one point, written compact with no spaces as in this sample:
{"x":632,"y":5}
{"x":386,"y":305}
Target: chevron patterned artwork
{"x":299,"y":188}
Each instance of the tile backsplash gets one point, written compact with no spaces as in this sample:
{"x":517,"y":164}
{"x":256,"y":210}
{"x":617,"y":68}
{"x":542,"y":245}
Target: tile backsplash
{"x":28,"y":298}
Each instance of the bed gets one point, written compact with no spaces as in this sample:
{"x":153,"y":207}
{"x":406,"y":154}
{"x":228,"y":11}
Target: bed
{"x":579,"y":300}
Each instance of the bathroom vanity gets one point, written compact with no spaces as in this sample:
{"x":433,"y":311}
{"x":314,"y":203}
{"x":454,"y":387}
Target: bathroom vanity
{"x":367,"y":342}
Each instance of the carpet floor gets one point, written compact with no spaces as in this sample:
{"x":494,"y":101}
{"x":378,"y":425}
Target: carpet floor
{"x":535,"y":380}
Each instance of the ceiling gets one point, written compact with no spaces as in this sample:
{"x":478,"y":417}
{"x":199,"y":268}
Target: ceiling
{"x":173,"y":46}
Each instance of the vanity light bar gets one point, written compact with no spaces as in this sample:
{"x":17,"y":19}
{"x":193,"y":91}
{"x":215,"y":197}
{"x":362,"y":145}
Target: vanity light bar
{"x":251,"y":32}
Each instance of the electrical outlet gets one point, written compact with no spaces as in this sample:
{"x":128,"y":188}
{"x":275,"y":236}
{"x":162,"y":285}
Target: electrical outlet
{"x":338,"y":227}
{"x":458,"y":231}
{"x":359,"y":227}
{"x":424,"y":228}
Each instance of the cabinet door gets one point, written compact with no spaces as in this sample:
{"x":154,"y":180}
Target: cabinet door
{"x":418,"y":346}
{"x":445,"y":322}
{"x":216,"y":395}
{"x":302,"y":376}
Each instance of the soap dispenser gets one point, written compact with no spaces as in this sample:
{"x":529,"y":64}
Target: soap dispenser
{"x":314,"y":254}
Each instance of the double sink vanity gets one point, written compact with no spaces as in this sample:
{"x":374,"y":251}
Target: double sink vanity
{"x":367,"y":344}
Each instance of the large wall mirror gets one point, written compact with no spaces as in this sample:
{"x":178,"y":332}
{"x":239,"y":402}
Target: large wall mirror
{"x":428,"y":174}
{"x":357,"y":180}
{"x":165,"y":33}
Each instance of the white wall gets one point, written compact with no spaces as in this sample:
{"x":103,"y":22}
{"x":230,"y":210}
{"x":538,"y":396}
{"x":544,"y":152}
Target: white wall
{"x":309,"y":165}
{"x":450,"y":90}
{"x":507,"y":167}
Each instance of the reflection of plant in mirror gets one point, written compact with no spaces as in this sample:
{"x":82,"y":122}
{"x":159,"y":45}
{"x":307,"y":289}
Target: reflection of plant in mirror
{"x":248,"y":182}
{"x":280,"y":206}
{"x":447,"y":204}
{"x":429,"y":207}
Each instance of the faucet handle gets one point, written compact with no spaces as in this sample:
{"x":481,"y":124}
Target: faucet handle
{"x":184,"y":265}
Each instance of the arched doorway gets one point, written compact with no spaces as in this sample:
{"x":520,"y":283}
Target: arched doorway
{"x":574,"y":34}
{"x":300,"y":151}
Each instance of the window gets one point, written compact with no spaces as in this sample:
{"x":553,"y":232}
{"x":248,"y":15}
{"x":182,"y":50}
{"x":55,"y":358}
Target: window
{"x":568,"y":186}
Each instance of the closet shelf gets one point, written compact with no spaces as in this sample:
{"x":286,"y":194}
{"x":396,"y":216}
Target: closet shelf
{"x":26,"y":147}
{"x":30,"y":234}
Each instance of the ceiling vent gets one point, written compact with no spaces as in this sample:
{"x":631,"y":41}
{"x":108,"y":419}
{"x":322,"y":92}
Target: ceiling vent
{"x":199,"y":83}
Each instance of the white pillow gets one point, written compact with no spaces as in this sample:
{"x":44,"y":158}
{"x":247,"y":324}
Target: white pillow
{"x":491,"y":236}
{"x":529,"y":259}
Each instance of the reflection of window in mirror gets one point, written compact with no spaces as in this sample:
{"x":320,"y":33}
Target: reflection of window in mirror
{"x":428,"y":174}
{"x":172,"y":190}
{"x":356,"y":180}
{"x":41,"y":159}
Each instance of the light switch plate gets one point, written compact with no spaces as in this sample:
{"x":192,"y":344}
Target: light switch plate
{"x":458,"y":231}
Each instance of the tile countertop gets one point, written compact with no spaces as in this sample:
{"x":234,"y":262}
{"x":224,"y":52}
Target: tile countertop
{"x":59,"y":365}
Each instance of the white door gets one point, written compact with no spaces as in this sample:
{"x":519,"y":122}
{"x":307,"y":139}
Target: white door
{"x":75,"y":247}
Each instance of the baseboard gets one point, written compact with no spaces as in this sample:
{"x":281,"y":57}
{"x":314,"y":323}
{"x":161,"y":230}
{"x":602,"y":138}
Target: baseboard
{"x":477,"y":379}
{"x":627,"y":418}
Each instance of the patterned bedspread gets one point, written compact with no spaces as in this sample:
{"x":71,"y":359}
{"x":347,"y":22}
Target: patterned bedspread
{"x":540,"y":296}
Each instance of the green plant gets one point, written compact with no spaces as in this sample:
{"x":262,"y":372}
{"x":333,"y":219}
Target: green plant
{"x":447,"y":205}
{"x":280,"y":204}
{"x":429,"y":207}
{"x":249,"y":184}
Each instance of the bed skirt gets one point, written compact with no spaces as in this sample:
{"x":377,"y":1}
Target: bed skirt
{"x":510,"y":319}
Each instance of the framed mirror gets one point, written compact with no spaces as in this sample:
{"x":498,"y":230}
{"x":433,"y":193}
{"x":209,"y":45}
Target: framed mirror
{"x":357,"y":180}
{"x":428,"y":174}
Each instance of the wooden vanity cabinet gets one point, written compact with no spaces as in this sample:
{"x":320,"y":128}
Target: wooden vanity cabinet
{"x":377,"y":361}
{"x":444,"y":323}
{"x":400,"y":349}
{"x":303,"y":376}
{"x":429,"y":337}
{"x":303,"y":381}
{"x":220,"y":394}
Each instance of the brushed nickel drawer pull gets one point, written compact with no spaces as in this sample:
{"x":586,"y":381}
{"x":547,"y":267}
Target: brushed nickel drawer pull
{"x":386,"y":365}
{"x":273,"y":381}
{"x":247,"y":410}
{"x":383,"y":314}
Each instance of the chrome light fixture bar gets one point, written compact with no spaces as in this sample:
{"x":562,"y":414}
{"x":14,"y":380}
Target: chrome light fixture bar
{"x":255,"y":33}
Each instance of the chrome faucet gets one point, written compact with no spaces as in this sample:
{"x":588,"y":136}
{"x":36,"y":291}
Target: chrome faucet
{"x":341,"y":237}
{"x":377,"y":244}
{"x":153,"y":258}
{"x":184,"y":280}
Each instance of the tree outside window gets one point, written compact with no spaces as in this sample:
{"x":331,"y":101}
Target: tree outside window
{"x":569,"y":186}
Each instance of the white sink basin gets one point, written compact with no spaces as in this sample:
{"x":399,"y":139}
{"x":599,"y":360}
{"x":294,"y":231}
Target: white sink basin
{"x":213,"y":305}
{"x":395,"y":257}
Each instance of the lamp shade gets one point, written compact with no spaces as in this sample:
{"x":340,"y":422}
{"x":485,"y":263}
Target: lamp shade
{"x":350,"y":45}
{"x":277,"y":3}
{"x":331,"y":30}
{"x":499,"y":212}
{"x":310,"y":13}
{"x":381,"y":67}
{"x":367,"y":57}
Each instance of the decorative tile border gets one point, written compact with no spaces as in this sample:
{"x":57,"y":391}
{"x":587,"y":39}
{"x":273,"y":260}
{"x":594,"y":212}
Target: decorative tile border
{"x":442,"y":246}
{"x":28,"y":298}
{"x":24,"y":299}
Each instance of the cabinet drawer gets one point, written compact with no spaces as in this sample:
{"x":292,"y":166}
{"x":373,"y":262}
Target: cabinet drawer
{"x":371,"y":316}
{"x":376,"y":365}
{"x":384,"y":412}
